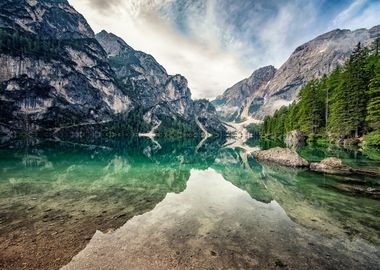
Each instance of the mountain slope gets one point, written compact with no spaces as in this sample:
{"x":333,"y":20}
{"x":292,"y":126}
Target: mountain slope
{"x":53,"y":72}
{"x":311,"y":60}
{"x":231,"y":104}
{"x":56,"y":77}
{"x":161,"y":95}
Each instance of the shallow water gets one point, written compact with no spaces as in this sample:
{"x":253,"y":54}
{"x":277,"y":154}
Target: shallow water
{"x":139,"y":205}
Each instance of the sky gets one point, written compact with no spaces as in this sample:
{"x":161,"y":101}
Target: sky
{"x":216,"y":43}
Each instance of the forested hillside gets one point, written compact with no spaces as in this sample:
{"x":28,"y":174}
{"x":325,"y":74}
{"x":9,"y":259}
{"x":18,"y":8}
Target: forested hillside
{"x":343,"y":105}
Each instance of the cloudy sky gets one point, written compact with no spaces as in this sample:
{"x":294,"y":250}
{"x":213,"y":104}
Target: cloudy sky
{"x":216,"y":43}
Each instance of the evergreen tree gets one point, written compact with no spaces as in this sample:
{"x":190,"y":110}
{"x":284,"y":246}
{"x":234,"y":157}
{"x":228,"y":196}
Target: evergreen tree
{"x":311,"y":108}
{"x":350,"y":99}
{"x":373,"y":108}
{"x":357,"y":88}
{"x":344,"y":104}
{"x":376,"y":47}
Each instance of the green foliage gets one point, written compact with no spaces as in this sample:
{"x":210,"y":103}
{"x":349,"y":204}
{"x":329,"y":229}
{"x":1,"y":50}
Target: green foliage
{"x":177,"y":128}
{"x":372,"y":139}
{"x":18,"y":43}
{"x":373,"y":108}
{"x":123,"y":125}
{"x":254,"y":129}
{"x":274,"y":126}
{"x":372,"y":152}
{"x":350,"y":99}
{"x":311,"y":109}
{"x":342,"y":105}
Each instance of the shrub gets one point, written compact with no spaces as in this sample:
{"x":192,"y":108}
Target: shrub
{"x":372,"y":139}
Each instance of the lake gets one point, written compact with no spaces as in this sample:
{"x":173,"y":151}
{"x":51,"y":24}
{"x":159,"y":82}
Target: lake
{"x":138,"y":204}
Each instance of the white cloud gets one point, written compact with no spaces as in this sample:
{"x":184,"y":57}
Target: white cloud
{"x":348,"y":13}
{"x":208,"y":68}
{"x":360,"y":14}
{"x":216,"y":43}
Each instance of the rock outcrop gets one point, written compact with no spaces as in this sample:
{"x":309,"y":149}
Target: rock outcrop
{"x":281,"y":156}
{"x":331,"y":165}
{"x":205,"y":112}
{"x":245,"y":96}
{"x":54,"y":73}
{"x":311,"y":60}
{"x":295,"y":139}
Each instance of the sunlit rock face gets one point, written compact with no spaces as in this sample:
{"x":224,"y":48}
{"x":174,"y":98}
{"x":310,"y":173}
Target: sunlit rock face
{"x":231,"y":104}
{"x":61,"y":75}
{"x":149,"y":85}
{"x":311,"y":60}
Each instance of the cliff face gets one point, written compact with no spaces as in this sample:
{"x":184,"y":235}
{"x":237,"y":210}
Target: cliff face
{"x":149,"y":85}
{"x":53,"y":72}
{"x":231,"y":104}
{"x":311,"y":60}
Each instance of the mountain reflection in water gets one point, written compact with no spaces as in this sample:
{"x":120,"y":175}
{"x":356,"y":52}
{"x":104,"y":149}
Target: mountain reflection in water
{"x":206,"y":206}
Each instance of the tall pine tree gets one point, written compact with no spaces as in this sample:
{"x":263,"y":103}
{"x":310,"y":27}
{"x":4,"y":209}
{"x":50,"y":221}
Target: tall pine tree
{"x":373,"y":108}
{"x":311,"y":108}
{"x":357,"y":88}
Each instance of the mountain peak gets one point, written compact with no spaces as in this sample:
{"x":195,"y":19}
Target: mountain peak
{"x":261,"y":72}
{"x":311,"y":60}
{"x":112,"y":43}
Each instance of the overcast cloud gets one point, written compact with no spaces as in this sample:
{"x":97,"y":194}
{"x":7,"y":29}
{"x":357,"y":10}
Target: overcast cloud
{"x":217,"y":43}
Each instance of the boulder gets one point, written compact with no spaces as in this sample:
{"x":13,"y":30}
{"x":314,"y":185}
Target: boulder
{"x":295,"y":139}
{"x":331,"y":165}
{"x":281,"y":156}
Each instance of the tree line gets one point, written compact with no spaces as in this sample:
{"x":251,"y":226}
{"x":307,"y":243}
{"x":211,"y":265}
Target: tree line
{"x":21,"y":43}
{"x":342,"y":105}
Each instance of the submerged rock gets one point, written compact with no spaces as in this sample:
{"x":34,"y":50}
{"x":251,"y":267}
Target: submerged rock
{"x":282,"y":156}
{"x":295,"y":139}
{"x":359,"y":189}
{"x":334,"y":165}
{"x":331,"y":165}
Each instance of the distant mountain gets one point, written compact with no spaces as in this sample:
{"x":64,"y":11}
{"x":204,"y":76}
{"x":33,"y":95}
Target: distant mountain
{"x":150,"y":87}
{"x":311,"y":60}
{"x":55,"y":75}
{"x":230,"y":106}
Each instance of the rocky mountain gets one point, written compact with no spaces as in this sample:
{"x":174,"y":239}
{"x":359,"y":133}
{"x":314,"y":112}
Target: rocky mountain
{"x":311,"y":60}
{"x":53,"y":72}
{"x":55,"y":75}
{"x":149,"y":85}
{"x":230,"y":106}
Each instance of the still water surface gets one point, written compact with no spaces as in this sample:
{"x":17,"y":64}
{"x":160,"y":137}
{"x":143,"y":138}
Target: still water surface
{"x":139,"y":205}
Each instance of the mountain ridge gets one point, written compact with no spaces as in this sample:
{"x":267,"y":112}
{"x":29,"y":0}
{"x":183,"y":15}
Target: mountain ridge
{"x":161,"y":94}
{"x":55,"y":74}
{"x":312,"y":59}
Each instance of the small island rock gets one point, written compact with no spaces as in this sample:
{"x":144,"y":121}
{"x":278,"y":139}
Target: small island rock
{"x":331,"y":165}
{"x":281,"y":156}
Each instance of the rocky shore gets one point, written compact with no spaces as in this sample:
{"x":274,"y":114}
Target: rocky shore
{"x":290,"y":158}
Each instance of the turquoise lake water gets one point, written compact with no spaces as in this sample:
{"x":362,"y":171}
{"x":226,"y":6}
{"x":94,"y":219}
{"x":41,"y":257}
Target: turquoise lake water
{"x":183,"y":205}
